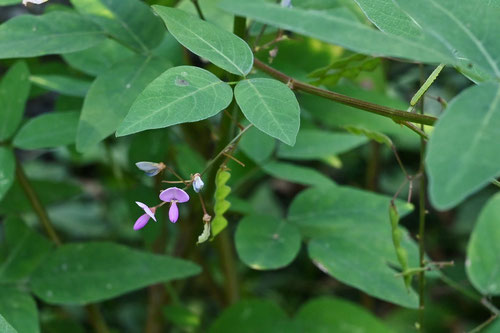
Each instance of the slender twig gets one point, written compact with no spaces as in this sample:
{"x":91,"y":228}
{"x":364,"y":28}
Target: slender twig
{"x":223,"y":151}
{"x":198,"y":9}
{"x":421,"y":227}
{"x":484,"y":324}
{"x":396,"y":115}
{"x":495,"y":182}
{"x":94,"y":314}
{"x":36,"y":204}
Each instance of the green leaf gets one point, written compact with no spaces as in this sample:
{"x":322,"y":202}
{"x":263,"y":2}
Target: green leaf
{"x":257,"y":145}
{"x":352,"y":241}
{"x":359,"y":258}
{"x":250,"y":316}
{"x":465,"y":29}
{"x":327,"y":209}
{"x":271,"y":106}
{"x":265,"y":242}
{"x":464,"y":142}
{"x":8,"y":2}
{"x":181,"y":94}
{"x":296,"y":173}
{"x":348,"y":32}
{"x":102,"y":271}
{"x":111,"y":96}
{"x":56,"y":32}
{"x":19,"y":309}
{"x":7,"y":170}
{"x":64,"y":85}
{"x":327,"y":314}
{"x":483,"y":266}
{"x":98,"y":59}
{"x":26,"y":250}
{"x":4,"y":325}
{"x":48,"y":131}
{"x":50,"y":192}
{"x":129,"y":21}
{"x":317,"y":144}
{"x":14,"y":91}
{"x":207,"y":40}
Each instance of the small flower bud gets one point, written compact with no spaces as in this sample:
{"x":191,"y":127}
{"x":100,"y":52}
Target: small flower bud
{"x":286,"y":3}
{"x":150,"y":168}
{"x":197,"y":183}
{"x":36,"y":2}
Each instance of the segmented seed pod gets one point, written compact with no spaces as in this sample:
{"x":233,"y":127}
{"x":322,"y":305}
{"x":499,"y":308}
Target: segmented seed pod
{"x":397,"y":235}
{"x":221,"y":204}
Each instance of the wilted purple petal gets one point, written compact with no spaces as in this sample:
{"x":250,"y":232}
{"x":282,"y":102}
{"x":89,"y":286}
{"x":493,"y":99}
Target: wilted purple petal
{"x":147,"y":210}
{"x":173,"y":213}
{"x":150,"y":168}
{"x":141,"y":222}
{"x":174,"y":193}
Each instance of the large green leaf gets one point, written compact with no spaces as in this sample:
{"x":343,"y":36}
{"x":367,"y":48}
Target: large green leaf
{"x":463,"y":154}
{"x":65,"y":85}
{"x":130,"y":21}
{"x":14,"y":91}
{"x":111,"y":96}
{"x":257,"y":145}
{"x":5,"y":327}
{"x":465,"y":28}
{"x":56,"y":32}
{"x":360,"y":258}
{"x":181,"y":94}
{"x":483,"y":264}
{"x":251,"y":316}
{"x":296,"y":173}
{"x":333,"y":209}
{"x":19,"y":309}
{"x":26,"y":250}
{"x":48,"y":131}
{"x":327,"y":314}
{"x":7,"y":170}
{"x":92,"y":272}
{"x":351,"y":239}
{"x":317,"y":144}
{"x":265,"y":242}
{"x":207,"y":40}
{"x":98,"y":59}
{"x":271,"y":106}
{"x":349,"y":33}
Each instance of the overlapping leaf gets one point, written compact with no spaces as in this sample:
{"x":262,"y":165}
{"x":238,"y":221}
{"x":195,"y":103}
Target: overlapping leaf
{"x":463,"y":154}
{"x":111,"y":96}
{"x":181,"y":94}
{"x":102,"y":271}
{"x":55,"y":32}
{"x":271,"y":106}
{"x":207,"y":40}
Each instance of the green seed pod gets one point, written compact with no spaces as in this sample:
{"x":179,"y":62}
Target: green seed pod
{"x":221,"y":204}
{"x":397,"y":235}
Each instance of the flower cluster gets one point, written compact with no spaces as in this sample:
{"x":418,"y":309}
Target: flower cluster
{"x":171,"y":195}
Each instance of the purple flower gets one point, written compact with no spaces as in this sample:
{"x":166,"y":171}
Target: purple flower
{"x":174,"y":195}
{"x":151,"y":169}
{"x":144,"y":219}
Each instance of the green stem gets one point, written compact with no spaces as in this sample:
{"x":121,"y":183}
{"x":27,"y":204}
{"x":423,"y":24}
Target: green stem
{"x":198,"y":9}
{"x":421,"y":227}
{"x":36,"y":204}
{"x":424,"y":87}
{"x":396,"y":115}
{"x":94,"y":314}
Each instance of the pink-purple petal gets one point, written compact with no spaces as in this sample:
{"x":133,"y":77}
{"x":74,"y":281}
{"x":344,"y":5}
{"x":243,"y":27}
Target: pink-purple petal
{"x":173,"y":213}
{"x":146,"y":209}
{"x":141,"y":222}
{"x":174,"y":193}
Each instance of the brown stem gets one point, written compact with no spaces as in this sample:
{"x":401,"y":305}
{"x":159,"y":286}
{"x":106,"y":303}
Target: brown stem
{"x":395,"y":114}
